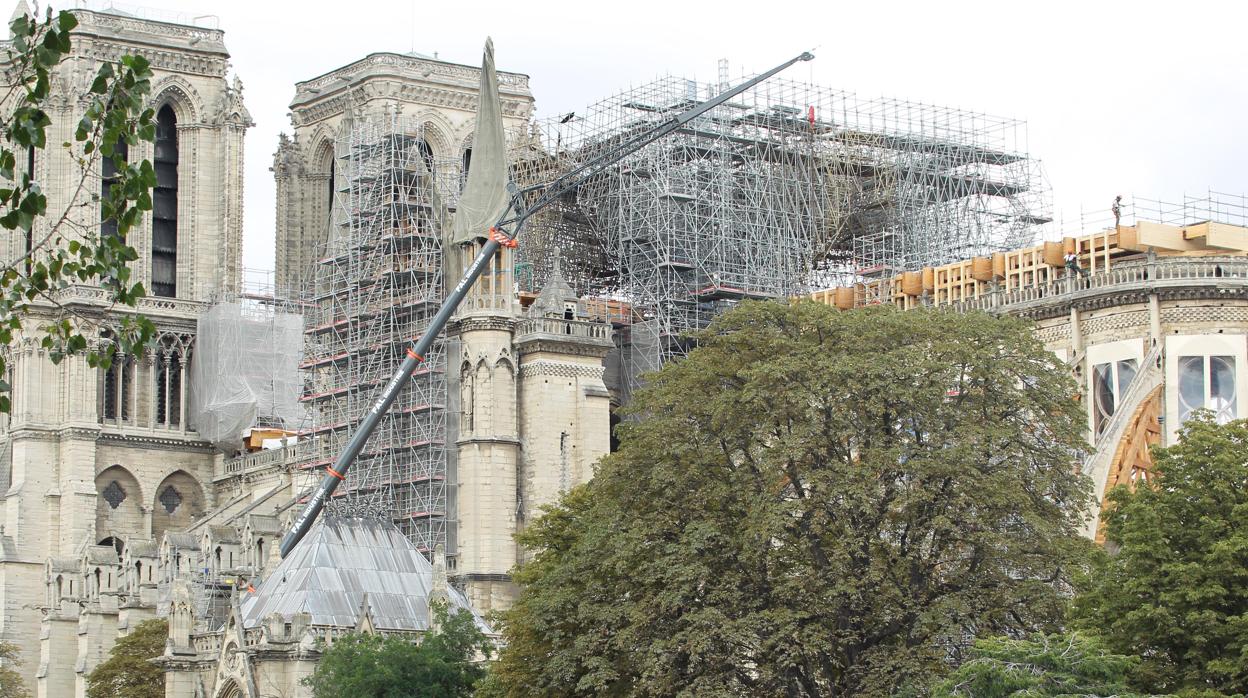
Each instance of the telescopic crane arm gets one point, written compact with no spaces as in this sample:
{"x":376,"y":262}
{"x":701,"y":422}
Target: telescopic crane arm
{"x":513,"y":219}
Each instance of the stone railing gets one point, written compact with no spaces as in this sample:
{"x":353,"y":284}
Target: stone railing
{"x":559,"y":327}
{"x":98,"y":297}
{"x":263,"y":460}
{"x":1160,"y":273}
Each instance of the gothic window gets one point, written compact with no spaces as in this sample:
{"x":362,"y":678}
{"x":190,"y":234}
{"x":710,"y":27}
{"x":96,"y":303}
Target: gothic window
{"x":165,"y":206}
{"x":329,"y":198}
{"x":1109,"y":384}
{"x":114,"y":494}
{"x":30,"y":233}
{"x":171,"y":499}
{"x":1207,"y":382}
{"x":116,"y":389}
{"x":108,"y":177}
{"x":426,"y":155}
{"x":168,"y":389}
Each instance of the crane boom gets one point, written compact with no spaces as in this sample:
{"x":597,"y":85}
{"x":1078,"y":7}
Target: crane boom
{"x":514,"y":219}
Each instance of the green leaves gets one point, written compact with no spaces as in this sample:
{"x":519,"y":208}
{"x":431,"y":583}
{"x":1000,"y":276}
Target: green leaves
{"x":1176,"y":591}
{"x":812,"y":503}
{"x":1041,"y":666}
{"x":442,"y":665}
{"x":128,"y":671}
{"x":11,"y":683}
{"x":60,"y":251}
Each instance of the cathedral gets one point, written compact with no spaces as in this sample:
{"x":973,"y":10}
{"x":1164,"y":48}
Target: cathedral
{"x":163,"y":485}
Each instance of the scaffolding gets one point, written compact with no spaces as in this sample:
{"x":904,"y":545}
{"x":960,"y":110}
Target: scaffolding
{"x":376,"y":286}
{"x":787,"y":187}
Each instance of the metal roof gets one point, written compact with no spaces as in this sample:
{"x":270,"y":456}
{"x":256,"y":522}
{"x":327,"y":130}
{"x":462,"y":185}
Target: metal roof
{"x":340,"y":564}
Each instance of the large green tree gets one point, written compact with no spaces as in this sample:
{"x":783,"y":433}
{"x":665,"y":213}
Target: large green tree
{"x":11,"y":684}
{"x":1175,"y":591}
{"x":814,"y":502}
{"x":1042,"y":666}
{"x":128,"y":672}
{"x":66,"y":246}
{"x":445,"y":664}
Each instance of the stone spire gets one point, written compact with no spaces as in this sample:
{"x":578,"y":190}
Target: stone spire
{"x":556,"y":295}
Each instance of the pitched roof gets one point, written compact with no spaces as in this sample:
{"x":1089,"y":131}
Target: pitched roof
{"x":343,"y":564}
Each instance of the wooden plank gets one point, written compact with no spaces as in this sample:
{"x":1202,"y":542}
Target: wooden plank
{"x":1230,"y":237}
{"x":1195,"y":232}
{"x":1161,"y":237}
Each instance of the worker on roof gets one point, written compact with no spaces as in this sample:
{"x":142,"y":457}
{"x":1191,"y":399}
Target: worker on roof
{"x":1072,"y":264}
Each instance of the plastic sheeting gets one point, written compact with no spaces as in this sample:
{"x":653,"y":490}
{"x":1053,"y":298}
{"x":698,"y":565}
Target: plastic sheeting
{"x":485,"y":193}
{"x":245,"y":372}
{"x":346,"y":567}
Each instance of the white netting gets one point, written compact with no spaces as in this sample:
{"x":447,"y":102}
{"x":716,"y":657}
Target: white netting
{"x":245,"y":372}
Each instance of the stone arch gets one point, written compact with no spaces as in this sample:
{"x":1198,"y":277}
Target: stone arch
{"x":177,"y":502}
{"x":505,"y":359}
{"x":438,"y":130}
{"x":119,"y":502}
{"x":1133,"y":458}
{"x":322,"y":150}
{"x":230,"y":689}
{"x":467,"y":395}
{"x":181,"y":96}
{"x":503,"y":395}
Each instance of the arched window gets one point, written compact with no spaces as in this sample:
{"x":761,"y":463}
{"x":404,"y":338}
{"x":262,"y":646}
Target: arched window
{"x":168,"y":386}
{"x":165,"y":206}
{"x":108,"y":177}
{"x":467,"y":160}
{"x":329,"y":197}
{"x":426,"y":155}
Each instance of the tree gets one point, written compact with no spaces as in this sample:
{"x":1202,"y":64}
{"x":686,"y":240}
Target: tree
{"x":1175,"y":592}
{"x":812,"y":503}
{"x":11,"y":684}
{"x":70,"y":246}
{"x":128,"y":672}
{"x":1039,"y":667}
{"x":443,"y":665}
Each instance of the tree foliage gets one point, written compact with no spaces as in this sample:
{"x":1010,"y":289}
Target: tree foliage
{"x":1176,"y":590}
{"x":67,"y":246}
{"x":1043,"y":666}
{"x":812,"y":503}
{"x":128,"y":672}
{"x":443,"y":665}
{"x":11,"y":684}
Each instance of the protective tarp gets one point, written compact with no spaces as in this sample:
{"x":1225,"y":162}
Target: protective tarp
{"x":485,"y":193}
{"x":245,"y":373}
{"x":345,"y":568}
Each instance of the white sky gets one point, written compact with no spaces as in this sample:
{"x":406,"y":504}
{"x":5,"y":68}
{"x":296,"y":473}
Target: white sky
{"x":1134,"y":98}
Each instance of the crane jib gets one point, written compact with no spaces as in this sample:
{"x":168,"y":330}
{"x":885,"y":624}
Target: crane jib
{"x":549,"y":193}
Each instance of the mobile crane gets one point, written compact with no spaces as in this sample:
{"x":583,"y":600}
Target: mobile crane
{"x":503,"y":233}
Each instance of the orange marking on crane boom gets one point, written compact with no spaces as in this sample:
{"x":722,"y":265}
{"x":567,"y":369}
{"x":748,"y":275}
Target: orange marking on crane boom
{"x":335,"y":473}
{"x":414,"y":355}
{"x":497,"y":236}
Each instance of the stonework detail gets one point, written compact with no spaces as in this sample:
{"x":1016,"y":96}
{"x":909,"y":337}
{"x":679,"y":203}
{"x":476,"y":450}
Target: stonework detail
{"x":89,"y":453}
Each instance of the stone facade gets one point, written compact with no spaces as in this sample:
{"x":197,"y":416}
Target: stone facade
{"x":96,"y":465}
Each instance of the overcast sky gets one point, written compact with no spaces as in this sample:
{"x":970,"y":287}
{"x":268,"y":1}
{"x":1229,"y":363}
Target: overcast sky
{"x":1134,"y":98}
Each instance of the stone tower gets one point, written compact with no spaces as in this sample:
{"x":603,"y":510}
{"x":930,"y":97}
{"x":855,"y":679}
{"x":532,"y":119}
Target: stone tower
{"x":440,"y":95}
{"x":534,"y":416}
{"x":95,"y":461}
